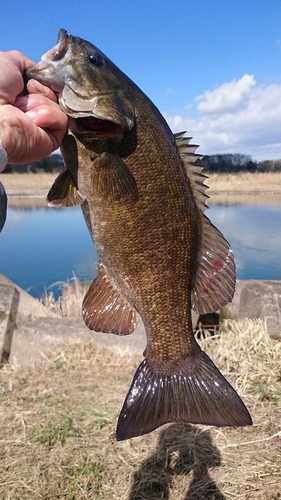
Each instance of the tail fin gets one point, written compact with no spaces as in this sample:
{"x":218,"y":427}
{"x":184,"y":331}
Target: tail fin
{"x":196,"y":392}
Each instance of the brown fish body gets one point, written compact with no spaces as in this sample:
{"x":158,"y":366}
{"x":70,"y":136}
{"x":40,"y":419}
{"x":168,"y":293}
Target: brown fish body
{"x":159,"y":255}
{"x":149,"y":246}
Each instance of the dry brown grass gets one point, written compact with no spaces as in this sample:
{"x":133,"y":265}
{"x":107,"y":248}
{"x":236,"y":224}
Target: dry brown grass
{"x":69,"y":303}
{"x":17,"y":182}
{"x":58,"y":429}
{"x":241,"y":182}
{"x":30,"y":190}
{"x":266,"y":182}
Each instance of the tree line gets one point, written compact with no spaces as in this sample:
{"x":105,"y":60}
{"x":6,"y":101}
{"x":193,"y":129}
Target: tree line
{"x":220,"y":163}
{"x":52,"y":163}
{"x":232,"y":163}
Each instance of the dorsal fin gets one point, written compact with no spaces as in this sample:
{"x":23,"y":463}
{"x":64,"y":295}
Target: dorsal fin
{"x":194,"y":172}
{"x":214,"y":286}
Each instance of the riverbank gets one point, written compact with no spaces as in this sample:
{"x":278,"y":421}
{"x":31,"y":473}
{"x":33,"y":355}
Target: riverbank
{"x":246,"y":182}
{"x":28,"y":184}
{"x":19,"y":184}
{"x":261,"y":188}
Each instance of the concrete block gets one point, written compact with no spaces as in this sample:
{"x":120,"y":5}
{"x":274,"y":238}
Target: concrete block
{"x":9,"y":301}
{"x":43,"y":335}
{"x":29,"y":308}
{"x":257,"y":299}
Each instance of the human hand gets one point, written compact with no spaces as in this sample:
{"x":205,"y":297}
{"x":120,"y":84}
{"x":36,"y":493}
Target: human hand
{"x":32,"y":125}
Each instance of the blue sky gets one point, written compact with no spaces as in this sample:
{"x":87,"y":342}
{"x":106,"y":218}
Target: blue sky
{"x":212,"y":67}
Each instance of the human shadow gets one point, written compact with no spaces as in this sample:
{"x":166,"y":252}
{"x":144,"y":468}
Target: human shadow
{"x":183,"y":450}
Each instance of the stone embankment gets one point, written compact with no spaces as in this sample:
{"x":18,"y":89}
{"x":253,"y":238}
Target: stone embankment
{"x":29,"y":330}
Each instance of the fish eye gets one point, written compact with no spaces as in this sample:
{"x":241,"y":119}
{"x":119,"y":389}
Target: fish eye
{"x":94,"y":59}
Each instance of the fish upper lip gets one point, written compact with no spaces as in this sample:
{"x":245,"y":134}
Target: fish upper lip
{"x":59,"y":51}
{"x":55,"y":55}
{"x":62,"y":35}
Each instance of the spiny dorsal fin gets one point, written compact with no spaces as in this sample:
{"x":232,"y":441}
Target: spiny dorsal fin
{"x":194,"y":172}
{"x":105,"y":309}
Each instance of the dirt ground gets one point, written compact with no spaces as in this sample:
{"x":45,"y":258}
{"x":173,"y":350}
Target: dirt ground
{"x":58,"y":419}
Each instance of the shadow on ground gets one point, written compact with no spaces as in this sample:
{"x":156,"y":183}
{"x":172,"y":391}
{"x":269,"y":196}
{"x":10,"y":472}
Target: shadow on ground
{"x":183,"y":450}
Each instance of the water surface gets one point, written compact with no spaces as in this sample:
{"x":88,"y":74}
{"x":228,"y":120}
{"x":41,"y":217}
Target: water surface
{"x":43,"y":246}
{"x":40,"y":246}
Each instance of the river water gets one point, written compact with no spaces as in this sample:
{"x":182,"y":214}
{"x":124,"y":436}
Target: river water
{"x":42,"y":248}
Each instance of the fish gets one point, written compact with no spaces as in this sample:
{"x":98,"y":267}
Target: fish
{"x":143,"y":197}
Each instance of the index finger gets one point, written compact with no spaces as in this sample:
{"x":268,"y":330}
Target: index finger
{"x":35,"y":87}
{"x":12,"y":66}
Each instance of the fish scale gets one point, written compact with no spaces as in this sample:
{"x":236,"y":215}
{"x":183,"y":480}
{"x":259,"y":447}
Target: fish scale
{"x":143,"y":198}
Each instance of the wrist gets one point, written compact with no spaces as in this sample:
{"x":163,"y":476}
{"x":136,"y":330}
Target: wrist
{"x":3,"y":157}
{"x":9,"y":133}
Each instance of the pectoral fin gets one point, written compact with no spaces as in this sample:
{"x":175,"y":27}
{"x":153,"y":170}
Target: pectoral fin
{"x":215,"y":280}
{"x":113,"y":178}
{"x":64,"y":192}
{"x":104,"y":308}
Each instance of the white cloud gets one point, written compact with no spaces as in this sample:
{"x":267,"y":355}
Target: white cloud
{"x":228,"y":97}
{"x":237,"y":117}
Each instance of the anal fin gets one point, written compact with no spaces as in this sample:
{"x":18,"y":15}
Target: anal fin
{"x":192,"y":391}
{"x":105,"y":309}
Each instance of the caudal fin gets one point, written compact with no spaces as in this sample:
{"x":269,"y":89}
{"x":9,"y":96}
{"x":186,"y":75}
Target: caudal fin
{"x":196,"y":392}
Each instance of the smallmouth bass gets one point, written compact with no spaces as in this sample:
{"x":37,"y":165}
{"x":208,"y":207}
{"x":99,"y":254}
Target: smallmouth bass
{"x":143,"y":199}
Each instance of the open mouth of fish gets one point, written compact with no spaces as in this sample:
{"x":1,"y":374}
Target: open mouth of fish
{"x":91,"y":126}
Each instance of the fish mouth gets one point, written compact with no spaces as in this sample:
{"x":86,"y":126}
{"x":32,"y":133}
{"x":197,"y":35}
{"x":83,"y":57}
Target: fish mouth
{"x":90,"y":126}
{"x":49,"y":63}
{"x":58,"y":52}
{"x":94,"y":110}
